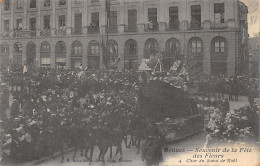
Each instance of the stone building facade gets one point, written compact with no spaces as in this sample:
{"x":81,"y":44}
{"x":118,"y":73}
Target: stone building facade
{"x":72,"y":32}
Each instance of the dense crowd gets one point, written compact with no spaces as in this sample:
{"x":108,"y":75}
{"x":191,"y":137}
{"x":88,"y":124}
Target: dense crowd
{"x":46,"y":101}
{"x":52,"y":109}
{"x":233,"y":86}
{"x":226,"y":125}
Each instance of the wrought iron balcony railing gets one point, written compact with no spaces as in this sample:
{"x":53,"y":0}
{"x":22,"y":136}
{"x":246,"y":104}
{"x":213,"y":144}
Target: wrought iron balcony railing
{"x":151,"y":26}
{"x":172,"y":26}
{"x":131,"y":28}
{"x":61,"y":32}
{"x":93,"y":29}
{"x":76,"y":31}
{"x":194,"y":25}
{"x":45,"y":32}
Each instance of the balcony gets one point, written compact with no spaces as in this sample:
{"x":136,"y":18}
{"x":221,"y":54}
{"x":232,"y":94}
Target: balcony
{"x":112,"y":30}
{"x":219,"y":25}
{"x":45,"y":32}
{"x":61,"y":32}
{"x":5,"y":34}
{"x":151,"y":26}
{"x":172,"y":27}
{"x":21,"y":33}
{"x":132,"y":28}
{"x":32,"y":32}
{"x":195,"y":25}
{"x":76,"y":31}
{"x":93,"y":29}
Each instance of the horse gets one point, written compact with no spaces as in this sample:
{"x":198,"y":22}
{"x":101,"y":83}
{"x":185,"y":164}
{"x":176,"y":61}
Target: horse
{"x":56,"y":139}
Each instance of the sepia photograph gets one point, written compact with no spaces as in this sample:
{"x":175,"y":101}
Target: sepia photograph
{"x":129,"y":83}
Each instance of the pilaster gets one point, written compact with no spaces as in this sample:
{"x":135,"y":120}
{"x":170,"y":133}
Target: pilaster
{"x":69,"y":17}
{"x":38,"y":19}
{"x":53,"y":18}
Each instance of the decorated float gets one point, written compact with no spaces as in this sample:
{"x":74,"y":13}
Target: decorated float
{"x":165,"y":98}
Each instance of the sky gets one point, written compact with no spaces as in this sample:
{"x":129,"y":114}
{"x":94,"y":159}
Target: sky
{"x":253,"y":16}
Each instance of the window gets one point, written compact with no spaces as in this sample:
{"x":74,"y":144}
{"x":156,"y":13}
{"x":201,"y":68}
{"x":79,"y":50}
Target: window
{"x":19,"y":24}
{"x":62,"y":22}
{"x":47,"y":3}
{"x":45,"y":61}
{"x":33,"y":4}
{"x":46,"y":22}
{"x":78,"y":1}
{"x":94,"y":49}
{"x":5,"y":48}
{"x":173,"y":13}
{"x":152,"y":19}
{"x":78,"y":23}
{"x":76,"y":48}
{"x":152,"y":14}
{"x":60,"y":54}
{"x":219,"y":46}
{"x":113,"y":48}
{"x":94,"y":1}
{"x":113,"y":21}
{"x":195,"y":16}
{"x":132,"y":20}
{"x":6,"y":4}
{"x":18,"y":47}
{"x":219,"y":11}
{"x":6,"y":25}
{"x":62,"y":2}
{"x":131,"y":48}
{"x":196,"y":46}
{"x":32,"y":24}
{"x":173,"y":46}
{"x":95,"y":19}
{"x":174,"y":18}
{"x":19,"y":4}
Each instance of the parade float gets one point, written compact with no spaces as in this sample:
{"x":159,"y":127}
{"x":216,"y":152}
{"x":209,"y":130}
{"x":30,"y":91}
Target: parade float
{"x":166,"y":99}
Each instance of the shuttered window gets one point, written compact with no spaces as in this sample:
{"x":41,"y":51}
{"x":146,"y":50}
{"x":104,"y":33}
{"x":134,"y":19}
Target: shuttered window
{"x":113,"y":21}
{"x":132,"y":19}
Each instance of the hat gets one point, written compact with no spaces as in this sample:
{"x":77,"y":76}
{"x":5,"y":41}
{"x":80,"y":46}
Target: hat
{"x":3,"y":84}
{"x":16,"y":119}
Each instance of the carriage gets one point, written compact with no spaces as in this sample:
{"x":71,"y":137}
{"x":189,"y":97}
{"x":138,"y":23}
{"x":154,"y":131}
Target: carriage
{"x":173,"y":110}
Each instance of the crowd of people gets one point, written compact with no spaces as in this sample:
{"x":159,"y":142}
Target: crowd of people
{"x":45,"y":101}
{"x":225,"y":125}
{"x":51,"y":109}
{"x":217,"y":86}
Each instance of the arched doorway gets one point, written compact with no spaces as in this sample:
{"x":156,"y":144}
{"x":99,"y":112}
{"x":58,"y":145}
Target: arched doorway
{"x":93,"y":55}
{"x":219,"y":56}
{"x":45,"y":54}
{"x":151,"y":47}
{"x":18,"y":49}
{"x":31,"y":54}
{"x":76,"y":55}
{"x":60,"y":54}
{"x":4,"y":54}
{"x":131,"y":55}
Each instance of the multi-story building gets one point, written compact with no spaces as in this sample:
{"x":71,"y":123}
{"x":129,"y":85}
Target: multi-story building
{"x":71,"y":32}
